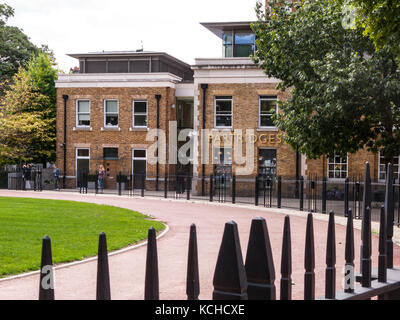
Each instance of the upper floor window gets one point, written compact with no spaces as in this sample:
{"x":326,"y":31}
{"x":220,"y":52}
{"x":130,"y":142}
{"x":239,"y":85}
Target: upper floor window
{"x":140,"y":114}
{"x":268,"y":107}
{"x":83,"y":113}
{"x":337,"y":167}
{"x":238,"y":43}
{"x":223,"y":112}
{"x":383,"y":165}
{"x":111,"y":113}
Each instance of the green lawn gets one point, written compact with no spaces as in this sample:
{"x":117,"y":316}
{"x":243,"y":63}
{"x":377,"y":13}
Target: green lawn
{"x":72,"y":226}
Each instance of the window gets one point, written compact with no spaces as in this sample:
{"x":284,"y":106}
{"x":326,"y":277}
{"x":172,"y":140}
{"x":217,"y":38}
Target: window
{"x":110,"y":153}
{"x":268,"y":107}
{"x":222,"y":156}
{"x":244,"y":44}
{"x":140,"y":114}
{"x":227,"y":39}
{"x":238,"y":43}
{"x":382,"y":167}
{"x":267,"y":162}
{"x":83,"y":113}
{"x":223,"y":112}
{"x":111,"y":113}
{"x":337,"y":167}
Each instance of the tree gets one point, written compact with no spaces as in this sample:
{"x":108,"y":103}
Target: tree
{"x":25,"y":127}
{"x":15,"y":47}
{"x":380,"y":20}
{"x":345,"y":94}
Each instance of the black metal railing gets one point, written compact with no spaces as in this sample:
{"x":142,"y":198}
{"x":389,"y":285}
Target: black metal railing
{"x":254,"y":278}
{"x":305,"y":194}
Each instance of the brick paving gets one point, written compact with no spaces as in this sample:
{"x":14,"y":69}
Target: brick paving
{"x":127,"y":269}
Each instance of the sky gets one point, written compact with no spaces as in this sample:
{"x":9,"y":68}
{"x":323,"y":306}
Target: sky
{"x":172,"y":26}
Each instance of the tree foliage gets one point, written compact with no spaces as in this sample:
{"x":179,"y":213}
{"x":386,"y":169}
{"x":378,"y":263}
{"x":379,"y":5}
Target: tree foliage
{"x":15,"y":47}
{"x":345,"y":94}
{"x":27,"y":114}
{"x":381,"y":22}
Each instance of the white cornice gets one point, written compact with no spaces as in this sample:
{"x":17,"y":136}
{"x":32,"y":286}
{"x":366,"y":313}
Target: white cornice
{"x":117,"y":80}
{"x":254,"y":75}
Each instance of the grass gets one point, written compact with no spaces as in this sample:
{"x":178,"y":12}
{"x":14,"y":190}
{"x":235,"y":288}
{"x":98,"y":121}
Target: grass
{"x":73,"y":227}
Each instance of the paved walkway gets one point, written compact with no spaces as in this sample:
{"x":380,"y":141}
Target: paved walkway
{"x":127,"y":269}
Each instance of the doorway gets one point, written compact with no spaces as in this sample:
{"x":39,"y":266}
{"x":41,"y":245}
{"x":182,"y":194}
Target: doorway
{"x":139,"y":167}
{"x":82,"y":165}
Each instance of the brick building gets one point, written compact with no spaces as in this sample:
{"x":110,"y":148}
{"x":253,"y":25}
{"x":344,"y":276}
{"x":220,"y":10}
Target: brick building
{"x":105,"y":112}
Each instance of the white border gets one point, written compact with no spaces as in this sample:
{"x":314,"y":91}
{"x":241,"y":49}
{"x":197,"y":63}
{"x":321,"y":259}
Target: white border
{"x":379,"y":169}
{"x":134,"y":158}
{"x":76,"y":114}
{"x":215,"y":111}
{"x":259,"y":111}
{"x":133,"y":114}
{"x":105,"y":113}
{"x":336,"y":179}
{"x":80,"y":158}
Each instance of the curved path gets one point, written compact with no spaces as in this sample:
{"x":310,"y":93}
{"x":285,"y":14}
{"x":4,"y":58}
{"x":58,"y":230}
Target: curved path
{"x":127,"y":269}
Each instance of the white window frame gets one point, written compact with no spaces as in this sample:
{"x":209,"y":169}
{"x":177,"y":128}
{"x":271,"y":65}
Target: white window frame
{"x":215,"y":113}
{"x":135,"y":158}
{"x":79,"y":113}
{"x":327,"y":168}
{"x":379,"y":169}
{"x":266,"y":114}
{"x":105,"y":113}
{"x":140,"y":114}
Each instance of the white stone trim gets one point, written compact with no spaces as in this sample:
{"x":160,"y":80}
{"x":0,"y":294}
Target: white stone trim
{"x":184,"y":90}
{"x":117,"y":80}
{"x":232,"y":76}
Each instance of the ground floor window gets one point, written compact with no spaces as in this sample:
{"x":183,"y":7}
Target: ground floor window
{"x":267,"y":163}
{"x":337,"y":167}
{"x":222,"y":167}
{"x":82,"y":164}
{"x":383,"y":164}
{"x":110,"y":153}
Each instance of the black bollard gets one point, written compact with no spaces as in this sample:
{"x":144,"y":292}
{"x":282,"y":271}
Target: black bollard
{"x":103,"y":275}
{"x":259,"y":265}
{"x":286,"y":262}
{"x":349,"y":255}
{"x":46,"y":285}
{"x":193,"y":281}
{"x":279,"y":192}
{"x":230,"y":281}
{"x":389,"y":211}
{"x":151,"y":281}
{"x":382,"y":263}
{"x":366,"y":263}
{"x":309,"y":261}
{"x":330,"y":277}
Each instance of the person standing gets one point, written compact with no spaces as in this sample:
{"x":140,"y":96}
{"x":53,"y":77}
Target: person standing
{"x":101,"y":176}
{"x":28,"y":176}
{"x":56,"y":176}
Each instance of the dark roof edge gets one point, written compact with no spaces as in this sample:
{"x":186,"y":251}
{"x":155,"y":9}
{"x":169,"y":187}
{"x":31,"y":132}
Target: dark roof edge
{"x":218,"y":27}
{"x":114,"y":54}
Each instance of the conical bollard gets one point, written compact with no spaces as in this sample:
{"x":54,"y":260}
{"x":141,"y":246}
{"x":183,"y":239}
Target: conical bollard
{"x":230,"y":281}
{"x":151,"y":281}
{"x":46,"y":286}
{"x":259,"y":265}
{"x":103,"y":275}
{"x":193,"y":282}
